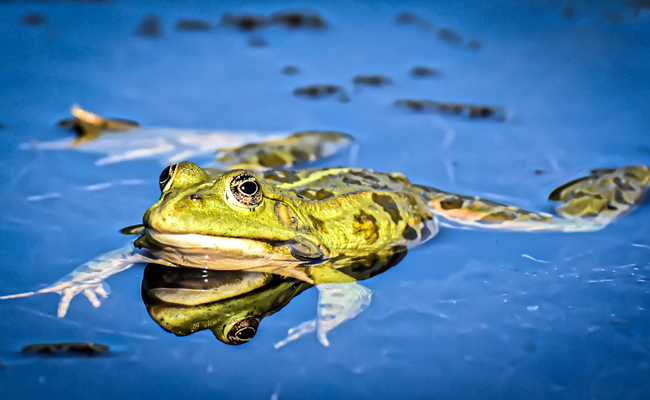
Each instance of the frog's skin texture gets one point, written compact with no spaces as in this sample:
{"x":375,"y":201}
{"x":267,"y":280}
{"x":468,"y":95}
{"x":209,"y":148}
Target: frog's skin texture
{"x":307,"y":215}
{"x":254,"y":215}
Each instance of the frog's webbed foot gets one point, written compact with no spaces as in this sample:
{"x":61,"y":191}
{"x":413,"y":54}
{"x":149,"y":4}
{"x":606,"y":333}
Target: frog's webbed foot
{"x":90,"y":290}
{"x":69,"y":289}
{"x":88,"y":279}
{"x":603,"y":195}
{"x":337,"y":303}
{"x":587,"y":204}
{"x":298,"y":148}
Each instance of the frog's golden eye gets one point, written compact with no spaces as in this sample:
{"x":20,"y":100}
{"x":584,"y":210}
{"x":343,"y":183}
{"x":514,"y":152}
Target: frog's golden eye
{"x":246,"y":190}
{"x":166,"y":175}
{"x":242,"y":331}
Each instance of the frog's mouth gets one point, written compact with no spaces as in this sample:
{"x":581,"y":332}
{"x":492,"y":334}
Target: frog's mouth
{"x":245,"y":246}
{"x":233,"y":248}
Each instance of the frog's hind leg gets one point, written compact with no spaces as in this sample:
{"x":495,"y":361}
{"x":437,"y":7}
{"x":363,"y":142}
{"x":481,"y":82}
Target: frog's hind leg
{"x":603,"y":195}
{"x":482,"y":213}
{"x":587,"y":204}
{"x":295,"y":149}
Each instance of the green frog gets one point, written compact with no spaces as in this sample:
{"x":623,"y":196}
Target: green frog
{"x":258,"y":213}
{"x":298,"y":222}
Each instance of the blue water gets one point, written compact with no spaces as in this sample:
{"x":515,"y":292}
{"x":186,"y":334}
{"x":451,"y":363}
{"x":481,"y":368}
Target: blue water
{"x":472,"y":314}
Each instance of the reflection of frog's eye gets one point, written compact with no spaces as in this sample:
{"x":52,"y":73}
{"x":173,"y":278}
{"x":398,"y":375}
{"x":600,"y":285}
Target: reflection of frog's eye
{"x":166,"y":175}
{"x":242,"y":331}
{"x":246,"y":190}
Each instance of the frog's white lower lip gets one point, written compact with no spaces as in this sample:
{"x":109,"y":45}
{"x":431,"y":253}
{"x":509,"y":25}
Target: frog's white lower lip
{"x":197,"y":241}
{"x":217,"y":252}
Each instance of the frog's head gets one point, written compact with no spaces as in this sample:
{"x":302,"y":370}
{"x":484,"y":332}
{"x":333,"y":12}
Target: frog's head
{"x":232,"y":212}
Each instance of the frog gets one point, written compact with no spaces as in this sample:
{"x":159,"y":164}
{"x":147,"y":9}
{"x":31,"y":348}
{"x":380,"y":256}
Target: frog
{"x":261,"y":210}
{"x":297,"y":222}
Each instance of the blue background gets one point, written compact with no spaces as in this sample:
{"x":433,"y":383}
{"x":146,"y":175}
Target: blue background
{"x":469,"y":315}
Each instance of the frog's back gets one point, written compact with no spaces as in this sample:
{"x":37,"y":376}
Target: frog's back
{"x":354,"y":210}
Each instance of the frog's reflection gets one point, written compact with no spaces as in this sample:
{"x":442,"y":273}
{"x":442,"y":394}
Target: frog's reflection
{"x":233,"y":303}
{"x":229,"y":303}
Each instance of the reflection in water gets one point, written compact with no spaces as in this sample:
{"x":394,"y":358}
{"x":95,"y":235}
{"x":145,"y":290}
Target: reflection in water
{"x":229,"y":303}
{"x":232,"y":304}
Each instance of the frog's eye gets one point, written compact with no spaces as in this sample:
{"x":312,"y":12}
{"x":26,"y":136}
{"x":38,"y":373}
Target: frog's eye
{"x":249,"y":188}
{"x":166,"y":175}
{"x":245,"y":189}
{"x":242,"y":331}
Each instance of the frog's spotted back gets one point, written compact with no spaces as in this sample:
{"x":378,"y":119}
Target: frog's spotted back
{"x":322,"y":183}
{"x":355,"y":211}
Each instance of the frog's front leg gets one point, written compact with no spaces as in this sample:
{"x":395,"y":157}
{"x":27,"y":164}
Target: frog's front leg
{"x":88,"y":279}
{"x":587,"y":204}
{"x":337,"y":303}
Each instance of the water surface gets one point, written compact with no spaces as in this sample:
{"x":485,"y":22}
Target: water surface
{"x":472,"y":314}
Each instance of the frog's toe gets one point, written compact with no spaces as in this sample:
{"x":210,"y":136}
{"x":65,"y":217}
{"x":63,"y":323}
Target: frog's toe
{"x":100,"y":289}
{"x":103,"y":290}
{"x":64,"y":303}
{"x":92,"y":297}
{"x":91,"y":291}
{"x":297,"y":332}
